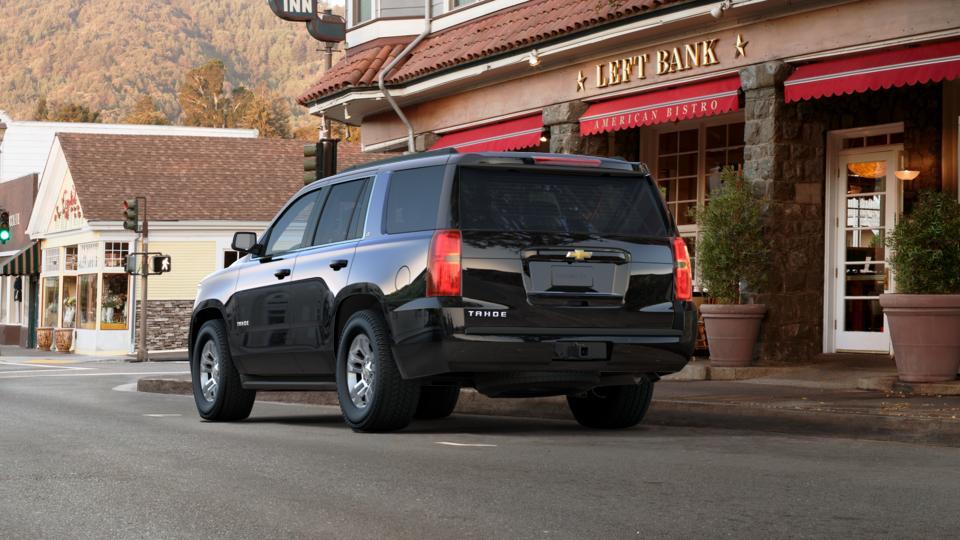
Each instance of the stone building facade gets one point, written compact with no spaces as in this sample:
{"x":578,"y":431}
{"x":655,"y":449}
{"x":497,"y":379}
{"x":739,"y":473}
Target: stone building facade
{"x":815,"y":108}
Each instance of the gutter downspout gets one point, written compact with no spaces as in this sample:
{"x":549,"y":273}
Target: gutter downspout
{"x":427,"y":20}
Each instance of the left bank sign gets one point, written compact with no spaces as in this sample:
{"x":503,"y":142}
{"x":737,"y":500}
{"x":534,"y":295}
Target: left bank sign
{"x":294,"y":10}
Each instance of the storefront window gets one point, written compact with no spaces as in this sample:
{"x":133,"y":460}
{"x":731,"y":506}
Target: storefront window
{"x":230,"y":257}
{"x":87,"y":301}
{"x":70,"y":258}
{"x":51,"y":260}
{"x":51,"y":296}
{"x":678,"y":159}
{"x":69,"y":301}
{"x":115,"y":254}
{"x":113,"y":315}
{"x":89,"y":256}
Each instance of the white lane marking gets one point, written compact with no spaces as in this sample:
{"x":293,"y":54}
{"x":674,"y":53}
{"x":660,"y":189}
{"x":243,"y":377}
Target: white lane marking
{"x":48,"y":374}
{"x":129,"y":387}
{"x":162,"y":415}
{"x":445,"y":443}
{"x":59,"y":367}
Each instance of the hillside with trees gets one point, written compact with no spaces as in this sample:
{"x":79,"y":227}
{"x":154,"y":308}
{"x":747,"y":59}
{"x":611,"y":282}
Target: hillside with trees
{"x":109,"y":61}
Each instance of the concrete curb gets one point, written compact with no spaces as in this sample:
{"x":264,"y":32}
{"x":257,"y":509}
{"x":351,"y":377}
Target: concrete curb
{"x":892,"y":384}
{"x":670,"y":412}
{"x":701,"y":370}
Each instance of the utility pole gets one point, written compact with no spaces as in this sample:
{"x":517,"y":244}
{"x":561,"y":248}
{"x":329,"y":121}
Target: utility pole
{"x":144,"y":271}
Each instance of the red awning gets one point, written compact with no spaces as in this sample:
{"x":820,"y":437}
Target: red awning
{"x":507,"y":135}
{"x":873,"y":71}
{"x":691,"y":101}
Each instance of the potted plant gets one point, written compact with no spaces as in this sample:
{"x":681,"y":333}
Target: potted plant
{"x":69,"y":311}
{"x":731,"y":254}
{"x":44,"y":338}
{"x":64,"y":339}
{"x":924,"y":315}
{"x":110,"y":303}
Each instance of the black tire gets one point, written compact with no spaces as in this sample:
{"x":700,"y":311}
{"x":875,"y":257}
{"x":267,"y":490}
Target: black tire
{"x":612,"y":407}
{"x":391,"y":400}
{"x":437,"y":402}
{"x":230,"y":401}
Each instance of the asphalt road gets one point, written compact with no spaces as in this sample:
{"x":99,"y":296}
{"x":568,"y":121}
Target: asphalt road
{"x":81,"y":458}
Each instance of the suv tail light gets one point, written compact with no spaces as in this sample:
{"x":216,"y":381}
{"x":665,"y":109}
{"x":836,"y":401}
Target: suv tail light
{"x":443,"y":264}
{"x":683,"y":273}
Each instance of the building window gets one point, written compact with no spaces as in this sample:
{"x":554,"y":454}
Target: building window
{"x":69,"y":301}
{"x":70,"y":258}
{"x":113,"y":315}
{"x":89,"y":256}
{"x":115,"y":254}
{"x":454,"y":4}
{"x":230,"y":257}
{"x":87,"y":301}
{"x":689,"y":158}
{"x":362,"y":11}
{"x":51,"y":260}
{"x":51,"y":298}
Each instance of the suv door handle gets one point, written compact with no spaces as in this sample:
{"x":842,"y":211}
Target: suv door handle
{"x":282,"y":273}
{"x":338,"y":264}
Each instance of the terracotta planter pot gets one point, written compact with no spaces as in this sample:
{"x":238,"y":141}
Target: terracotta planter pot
{"x":44,"y":338}
{"x":925,"y":331}
{"x":732,"y":331}
{"x":64,"y":339}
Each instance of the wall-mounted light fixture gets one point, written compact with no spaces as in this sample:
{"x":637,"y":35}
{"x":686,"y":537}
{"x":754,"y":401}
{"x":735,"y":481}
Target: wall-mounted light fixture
{"x":533,"y":58}
{"x":903,"y":173}
{"x":346,"y":113}
{"x":718,"y":10}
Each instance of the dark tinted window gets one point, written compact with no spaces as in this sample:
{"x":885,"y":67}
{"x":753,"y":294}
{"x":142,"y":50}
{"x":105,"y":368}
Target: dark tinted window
{"x":413,"y":199}
{"x":558,"y":203}
{"x":338,"y":212}
{"x":289,"y":231}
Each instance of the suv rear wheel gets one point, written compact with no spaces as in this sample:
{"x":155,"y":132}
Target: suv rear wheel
{"x":437,"y":402}
{"x":217,"y":390}
{"x":612,"y":407}
{"x":373,"y":395}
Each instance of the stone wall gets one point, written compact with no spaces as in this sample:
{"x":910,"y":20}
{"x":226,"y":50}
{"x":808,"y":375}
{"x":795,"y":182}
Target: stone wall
{"x":168,"y":324}
{"x":785,"y":158}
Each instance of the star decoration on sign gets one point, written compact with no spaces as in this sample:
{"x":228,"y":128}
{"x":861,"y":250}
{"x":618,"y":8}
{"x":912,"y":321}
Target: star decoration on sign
{"x":741,"y":46}
{"x":580,"y":82}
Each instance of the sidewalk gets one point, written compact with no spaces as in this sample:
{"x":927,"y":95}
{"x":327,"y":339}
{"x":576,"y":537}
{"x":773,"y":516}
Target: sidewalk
{"x":15,"y":352}
{"x":817,"y":399}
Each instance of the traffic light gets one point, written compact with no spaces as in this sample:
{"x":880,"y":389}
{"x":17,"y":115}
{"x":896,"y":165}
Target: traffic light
{"x":319,"y":160}
{"x":4,"y":227}
{"x":131,"y":214}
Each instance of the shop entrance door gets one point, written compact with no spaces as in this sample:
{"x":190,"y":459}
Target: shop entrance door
{"x":867,"y":199}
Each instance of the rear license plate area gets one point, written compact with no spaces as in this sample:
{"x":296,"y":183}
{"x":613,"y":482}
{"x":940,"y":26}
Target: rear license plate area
{"x":580,"y":350}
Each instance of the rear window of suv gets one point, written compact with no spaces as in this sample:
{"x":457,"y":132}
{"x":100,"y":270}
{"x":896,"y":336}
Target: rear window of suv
{"x":413,"y":199}
{"x":502,"y":201}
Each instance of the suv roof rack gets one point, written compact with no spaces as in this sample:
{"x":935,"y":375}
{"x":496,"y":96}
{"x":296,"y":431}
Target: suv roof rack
{"x":404,"y":157}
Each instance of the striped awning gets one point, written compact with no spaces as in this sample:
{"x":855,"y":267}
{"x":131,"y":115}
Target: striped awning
{"x":872,"y":71}
{"x":26,"y":262}
{"x":500,"y":137}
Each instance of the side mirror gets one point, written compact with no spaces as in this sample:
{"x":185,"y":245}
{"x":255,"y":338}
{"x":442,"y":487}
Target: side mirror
{"x":245,"y":242}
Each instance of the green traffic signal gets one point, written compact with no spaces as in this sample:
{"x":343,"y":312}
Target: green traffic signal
{"x":4,"y":227}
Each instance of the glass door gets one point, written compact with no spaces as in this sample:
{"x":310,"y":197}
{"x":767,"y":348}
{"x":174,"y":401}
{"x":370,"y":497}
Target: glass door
{"x":868,"y":199}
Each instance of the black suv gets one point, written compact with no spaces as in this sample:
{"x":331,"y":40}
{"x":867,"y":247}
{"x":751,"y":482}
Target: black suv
{"x":398,"y":283}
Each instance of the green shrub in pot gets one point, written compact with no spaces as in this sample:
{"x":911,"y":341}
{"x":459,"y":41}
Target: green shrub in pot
{"x":924,"y":314}
{"x":731,"y":250}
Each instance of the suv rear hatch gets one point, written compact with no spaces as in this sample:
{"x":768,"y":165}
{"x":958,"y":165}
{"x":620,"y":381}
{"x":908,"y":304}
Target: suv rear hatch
{"x":565,"y":252}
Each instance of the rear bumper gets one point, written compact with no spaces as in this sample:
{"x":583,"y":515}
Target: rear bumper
{"x":441,"y":345}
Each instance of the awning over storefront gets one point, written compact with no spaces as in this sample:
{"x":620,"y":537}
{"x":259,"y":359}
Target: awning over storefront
{"x":500,"y":137}
{"x":26,"y":262}
{"x":692,"y":101}
{"x":885,"y":69}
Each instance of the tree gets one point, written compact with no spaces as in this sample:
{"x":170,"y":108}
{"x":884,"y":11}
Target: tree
{"x":202,"y":98}
{"x":145,"y":112}
{"x":265,"y":111}
{"x":64,"y":112}
{"x":40,"y":113}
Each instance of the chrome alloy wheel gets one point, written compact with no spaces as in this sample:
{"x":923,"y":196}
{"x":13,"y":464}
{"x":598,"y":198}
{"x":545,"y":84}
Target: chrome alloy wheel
{"x":209,"y":370}
{"x":361,"y":371}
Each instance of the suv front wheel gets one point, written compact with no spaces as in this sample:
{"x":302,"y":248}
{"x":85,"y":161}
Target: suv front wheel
{"x":373,"y":395}
{"x":217,"y":390}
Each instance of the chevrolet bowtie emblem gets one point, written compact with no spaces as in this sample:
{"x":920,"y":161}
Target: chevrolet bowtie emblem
{"x":579,"y":255}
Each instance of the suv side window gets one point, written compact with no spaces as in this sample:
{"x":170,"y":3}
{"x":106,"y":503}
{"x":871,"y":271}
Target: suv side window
{"x":340,"y":211}
{"x":413,"y":199}
{"x":291,"y":230}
